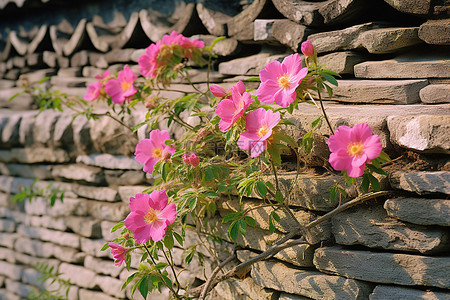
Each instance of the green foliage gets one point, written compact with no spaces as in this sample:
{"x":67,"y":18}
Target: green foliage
{"x":60,"y":287}
{"x":31,"y":193}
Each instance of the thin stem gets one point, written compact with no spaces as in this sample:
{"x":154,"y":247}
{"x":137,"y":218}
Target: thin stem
{"x":323,"y":109}
{"x":213,"y":275}
{"x":171,"y":266}
{"x":275,"y":174}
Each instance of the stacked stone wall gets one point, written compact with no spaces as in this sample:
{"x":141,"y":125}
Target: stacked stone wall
{"x":394,"y":59}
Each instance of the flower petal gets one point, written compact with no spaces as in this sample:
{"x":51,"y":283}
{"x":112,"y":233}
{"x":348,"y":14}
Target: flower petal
{"x":139,"y":203}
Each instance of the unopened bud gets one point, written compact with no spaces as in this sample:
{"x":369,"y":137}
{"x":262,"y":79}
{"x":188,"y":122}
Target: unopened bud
{"x":307,"y":48}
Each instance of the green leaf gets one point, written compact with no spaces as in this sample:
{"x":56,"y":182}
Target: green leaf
{"x":193,"y":203}
{"x":261,"y":188}
{"x":212,"y":207}
{"x":365,"y":183}
{"x":333,"y":193}
{"x":233,"y":230}
{"x":290,"y":141}
{"x":221,"y":189}
{"x":164,"y":171}
{"x":279,"y":197}
{"x":275,"y":216}
{"x":376,"y":170}
{"x":374,"y":182}
{"x":210,"y":47}
{"x":15,"y":95}
{"x":384,"y":157}
{"x":117,"y":226}
{"x":316,"y":122}
{"x":270,"y":186}
{"x":326,"y":71}
{"x":250,"y":221}
{"x":232,"y":216}
{"x":43,"y":80}
{"x":253,"y":79}
{"x":209,"y":175}
{"x":274,"y":154}
{"x":168,"y":241}
{"x":143,"y":287}
{"x":271,"y":226}
{"x":129,"y":279}
{"x":190,"y":255}
{"x":179,"y":238}
{"x":105,"y":246}
{"x":330,"y":79}
{"x":211,"y":194}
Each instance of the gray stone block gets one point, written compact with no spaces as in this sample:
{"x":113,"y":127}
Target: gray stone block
{"x":435,"y":94}
{"x":78,"y":275}
{"x":386,"y":292}
{"x":102,"y":266}
{"x":79,"y":172}
{"x":421,"y":182}
{"x":109,"y":161}
{"x":421,"y":211}
{"x":34,"y":155}
{"x":391,"y":268}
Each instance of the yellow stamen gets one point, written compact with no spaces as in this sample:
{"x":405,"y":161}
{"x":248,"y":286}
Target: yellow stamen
{"x":157,"y":152}
{"x":355,"y":149}
{"x":151,"y":216}
{"x":263,"y":131}
{"x":125,"y":86}
{"x":284,"y":82}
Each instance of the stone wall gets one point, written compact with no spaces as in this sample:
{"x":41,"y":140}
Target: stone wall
{"x":394,"y":60}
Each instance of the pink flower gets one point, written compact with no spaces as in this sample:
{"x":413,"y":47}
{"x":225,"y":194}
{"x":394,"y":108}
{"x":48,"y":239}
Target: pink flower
{"x":121,"y":88}
{"x":185,"y":158}
{"x":96,"y":89}
{"x":150,"y":151}
{"x":193,"y":159}
{"x":217,"y":90}
{"x":148,"y":62}
{"x":232,"y":108}
{"x":118,"y":253}
{"x":279,"y":80}
{"x":351,"y":148}
{"x":259,"y":125}
{"x":150,"y":215}
{"x":307,"y":48}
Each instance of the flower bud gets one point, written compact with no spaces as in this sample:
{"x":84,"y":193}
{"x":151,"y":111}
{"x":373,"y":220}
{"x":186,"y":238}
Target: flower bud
{"x":186,"y":159}
{"x":166,"y":155}
{"x":193,"y":159}
{"x":217,"y":91}
{"x":307,"y":48}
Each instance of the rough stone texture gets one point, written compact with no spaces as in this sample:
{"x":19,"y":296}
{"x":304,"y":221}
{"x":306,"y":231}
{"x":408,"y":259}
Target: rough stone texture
{"x":435,"y":93}
{"x":421,"y":211}
{"x":109,"y":161}
{"x":102,"y":266}
{"x":125,"y":192}
{"x":417,"y":7}
{"x":250,"y":65}
{"x":84,"y":226}
{"x":379,"y":91}
{"x":286,"y":32}
{"x":435,"y":32}
{"x":56,"y":237}
{"x":284,"y":296}
{"x":421,"y":182}
{"x":370,"y":226}
{"x":241,"y":289}
{"x":34,"y":155}
{"x":88,"y":294}
{"x":405,"y":66}
{"x":79,"y":172}
{"x":341,"y":62}
{"x":427,"y":133}
{"x":30,"y":171}
{"x":10,"y":270}
{"x":110,"y":286}
{"x":381,"y":267}
{"x":385,"y":292}
{"x":78,"y":275}
{"x":313,"y":284}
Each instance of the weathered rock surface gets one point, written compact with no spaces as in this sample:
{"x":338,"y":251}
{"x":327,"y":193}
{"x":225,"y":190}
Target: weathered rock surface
{"x":370,"y":226}
{"x":79,"y":172}
{"x":341,"y":62}
{"x":405,"y":66}
{"x":78,"y":275}
{"x":417,"y":7}
{"x":379,"y":91}
{"x":286,"y":32}
{"x":382,"y":267}
{"x":435,"y":93}
{"x":421,"y":182}
{"x":427,"y":133}
{"x":436,"y":32}
{"x":419,"y":210}
{"x":109,"y":161}
{"x":385,"y":292}
{"x":241,"y":289}
{"x":313,"y":284}
{"x":250,"y":65}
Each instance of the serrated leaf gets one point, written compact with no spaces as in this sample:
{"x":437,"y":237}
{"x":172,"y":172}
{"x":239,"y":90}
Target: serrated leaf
{"x":330,"y":79}
{"x":117,"y":226}
{"x":250,"y":221}
{"x":233,"y":230}
{"x":288,"y":140}
{"x":261,"y":188}
{"x":143,"y":287}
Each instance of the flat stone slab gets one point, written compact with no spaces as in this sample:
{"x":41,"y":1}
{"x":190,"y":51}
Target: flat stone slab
{"x":109,"y":161}
{"x":313,"y":284}
{"x":34,"y":155}
{"x":78,"y":172}
{"x":250,"y":65}
{"x":416,"y":7}
{"x":403,"y":269}
{"x":406,"y":66}
{"x":435,"y":93}
{"x":421,"y":211}
{"x":367,"y":36}
{"x":423,"y":133}
{"x":286,"y":32}
{"x":370,"y":226}
{"x":342,"y":62}
{"x":388,"y":292}
{"x":378,"y":91}
{"x":421,"y":182}
{"x":436,"y":32}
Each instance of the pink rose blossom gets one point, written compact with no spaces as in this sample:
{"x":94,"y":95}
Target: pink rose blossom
{"x":150,"y":215}
{"x":351,"y":148}
{"x":185,"y":158}
{"x":232,"y":108}
{"x":307,"y":48}
{"x":193,"y":159}
{"x":121,"y":88}
{"x":150,"y":151}
{"x":217,"y":90}
{"x":96,"y":89}
{"x":118,"y":253}
{"x":279,"y":80}
{"x":148,"y":62}
{"x":259,"y":125}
